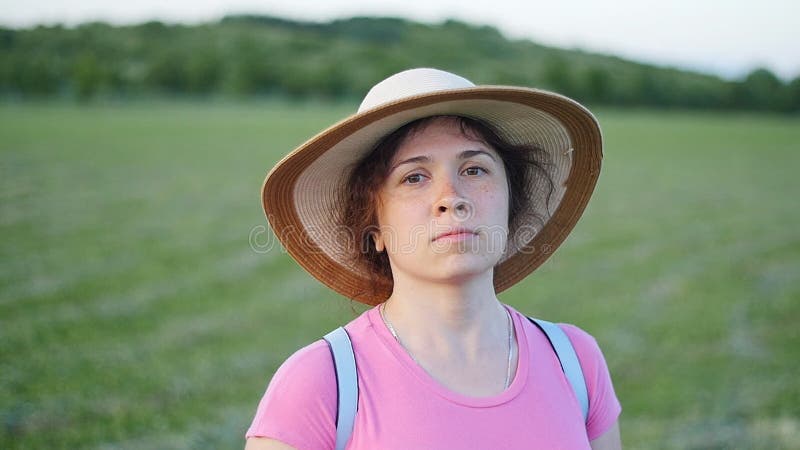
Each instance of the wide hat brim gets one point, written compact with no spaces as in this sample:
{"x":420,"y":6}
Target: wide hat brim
{"x":300,"y":195}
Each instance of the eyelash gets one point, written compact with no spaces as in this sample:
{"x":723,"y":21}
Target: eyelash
{"x":405,"y":179}
{"x":476,"y":168}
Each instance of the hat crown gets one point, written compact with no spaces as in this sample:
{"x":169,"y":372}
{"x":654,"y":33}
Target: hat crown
{"x":412,"y":82}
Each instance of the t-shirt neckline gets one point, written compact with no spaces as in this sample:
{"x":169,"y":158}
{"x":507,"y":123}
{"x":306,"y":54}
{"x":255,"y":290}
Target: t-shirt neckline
{"x":402,"y":356}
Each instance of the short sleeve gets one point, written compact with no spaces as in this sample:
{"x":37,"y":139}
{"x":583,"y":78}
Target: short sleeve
{"x":604,"y":407}
{"x":299,"y":406}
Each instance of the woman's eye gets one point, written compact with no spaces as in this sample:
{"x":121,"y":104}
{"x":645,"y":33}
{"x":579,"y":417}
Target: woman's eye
{"x":414,"y":178}
{"x":472,"y":171}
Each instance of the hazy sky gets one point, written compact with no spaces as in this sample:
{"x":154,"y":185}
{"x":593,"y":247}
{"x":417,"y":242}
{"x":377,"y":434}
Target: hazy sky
{"x":729,"y":38}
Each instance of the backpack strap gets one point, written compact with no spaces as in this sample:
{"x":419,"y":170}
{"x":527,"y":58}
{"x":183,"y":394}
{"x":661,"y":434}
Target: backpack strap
{"x":344,"y":362}
{"x":569,"y":361}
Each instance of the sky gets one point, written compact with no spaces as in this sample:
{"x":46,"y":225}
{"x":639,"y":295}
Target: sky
{"x":727,"y":38}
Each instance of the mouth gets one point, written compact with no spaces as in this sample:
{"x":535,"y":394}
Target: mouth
{"x":455,"y":234}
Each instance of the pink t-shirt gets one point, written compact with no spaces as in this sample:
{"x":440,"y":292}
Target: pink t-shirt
{"x":400,"y":406}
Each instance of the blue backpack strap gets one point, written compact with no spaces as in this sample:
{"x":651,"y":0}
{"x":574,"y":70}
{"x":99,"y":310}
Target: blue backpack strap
{"x":569,"y":361}
{"x":344,"y":362}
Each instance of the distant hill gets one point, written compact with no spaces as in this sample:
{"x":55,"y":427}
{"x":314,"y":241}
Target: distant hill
{"x":248,"y":55}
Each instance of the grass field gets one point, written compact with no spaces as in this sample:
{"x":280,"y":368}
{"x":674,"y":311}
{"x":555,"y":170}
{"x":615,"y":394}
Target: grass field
{"x":135,"y":314}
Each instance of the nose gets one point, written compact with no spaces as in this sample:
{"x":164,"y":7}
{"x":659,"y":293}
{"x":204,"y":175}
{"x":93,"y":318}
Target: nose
{"x":459,"y":207}
{"x":450,"y":201}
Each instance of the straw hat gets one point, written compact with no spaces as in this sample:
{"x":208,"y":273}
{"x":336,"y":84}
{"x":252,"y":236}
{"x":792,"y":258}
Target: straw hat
{"x":300,"y":193}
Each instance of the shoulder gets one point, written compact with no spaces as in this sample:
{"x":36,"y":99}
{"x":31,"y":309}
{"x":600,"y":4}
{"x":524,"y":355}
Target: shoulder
{"x":587,"y":350}
{"x":589,"y":354}
{"x":299,"y":406}
{"x":585,"y":344}
{"x":306,"y":377}
{"x":311,"y":364}
{"x":604,"y":407}
{"x":300,"y":403}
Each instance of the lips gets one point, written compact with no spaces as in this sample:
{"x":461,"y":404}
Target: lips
{"x":454,"y":233}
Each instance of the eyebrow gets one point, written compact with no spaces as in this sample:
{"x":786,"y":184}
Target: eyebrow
{"x":466,"y":154}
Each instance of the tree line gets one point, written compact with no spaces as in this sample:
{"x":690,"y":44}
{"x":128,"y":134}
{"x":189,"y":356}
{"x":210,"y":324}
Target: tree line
{"x":244,"y":55}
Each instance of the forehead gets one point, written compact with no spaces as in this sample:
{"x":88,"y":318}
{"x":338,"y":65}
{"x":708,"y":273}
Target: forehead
{"x":437,"y":136}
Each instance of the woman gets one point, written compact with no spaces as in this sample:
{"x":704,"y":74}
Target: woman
{"x":434,"y":197}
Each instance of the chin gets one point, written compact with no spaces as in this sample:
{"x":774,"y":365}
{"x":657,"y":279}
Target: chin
{"x":461,"y":269}
{"x":448,"y":267}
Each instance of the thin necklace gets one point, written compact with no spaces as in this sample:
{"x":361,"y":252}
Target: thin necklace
{"x":510,"y":338}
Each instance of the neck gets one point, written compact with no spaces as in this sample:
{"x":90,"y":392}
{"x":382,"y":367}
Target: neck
{"x":462,"y":319}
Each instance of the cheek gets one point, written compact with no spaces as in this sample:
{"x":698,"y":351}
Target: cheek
{"x":399,"y":220}
{"x":494,"y":196}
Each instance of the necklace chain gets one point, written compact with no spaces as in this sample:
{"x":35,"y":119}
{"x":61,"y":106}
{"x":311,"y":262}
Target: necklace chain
{"x":510,"y":340}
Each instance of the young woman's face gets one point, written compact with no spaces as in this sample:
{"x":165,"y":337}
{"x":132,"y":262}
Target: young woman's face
{"x":443,"y":209}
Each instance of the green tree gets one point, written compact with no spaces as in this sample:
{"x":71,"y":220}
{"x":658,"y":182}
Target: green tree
{"x":762,"y":90}
{"x":202,"y":71}
{"x":35,"y":75}
{"x":647,"y":88}
{"x":87,"y":75}
{"x":167,"y":72}
{"x":596,"y":85}
{"x":557,"y":76}
{"x":793,"y":93}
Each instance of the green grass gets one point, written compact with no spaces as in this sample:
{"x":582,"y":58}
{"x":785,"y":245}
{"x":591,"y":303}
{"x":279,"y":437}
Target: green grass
{"x":135,"y":314}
